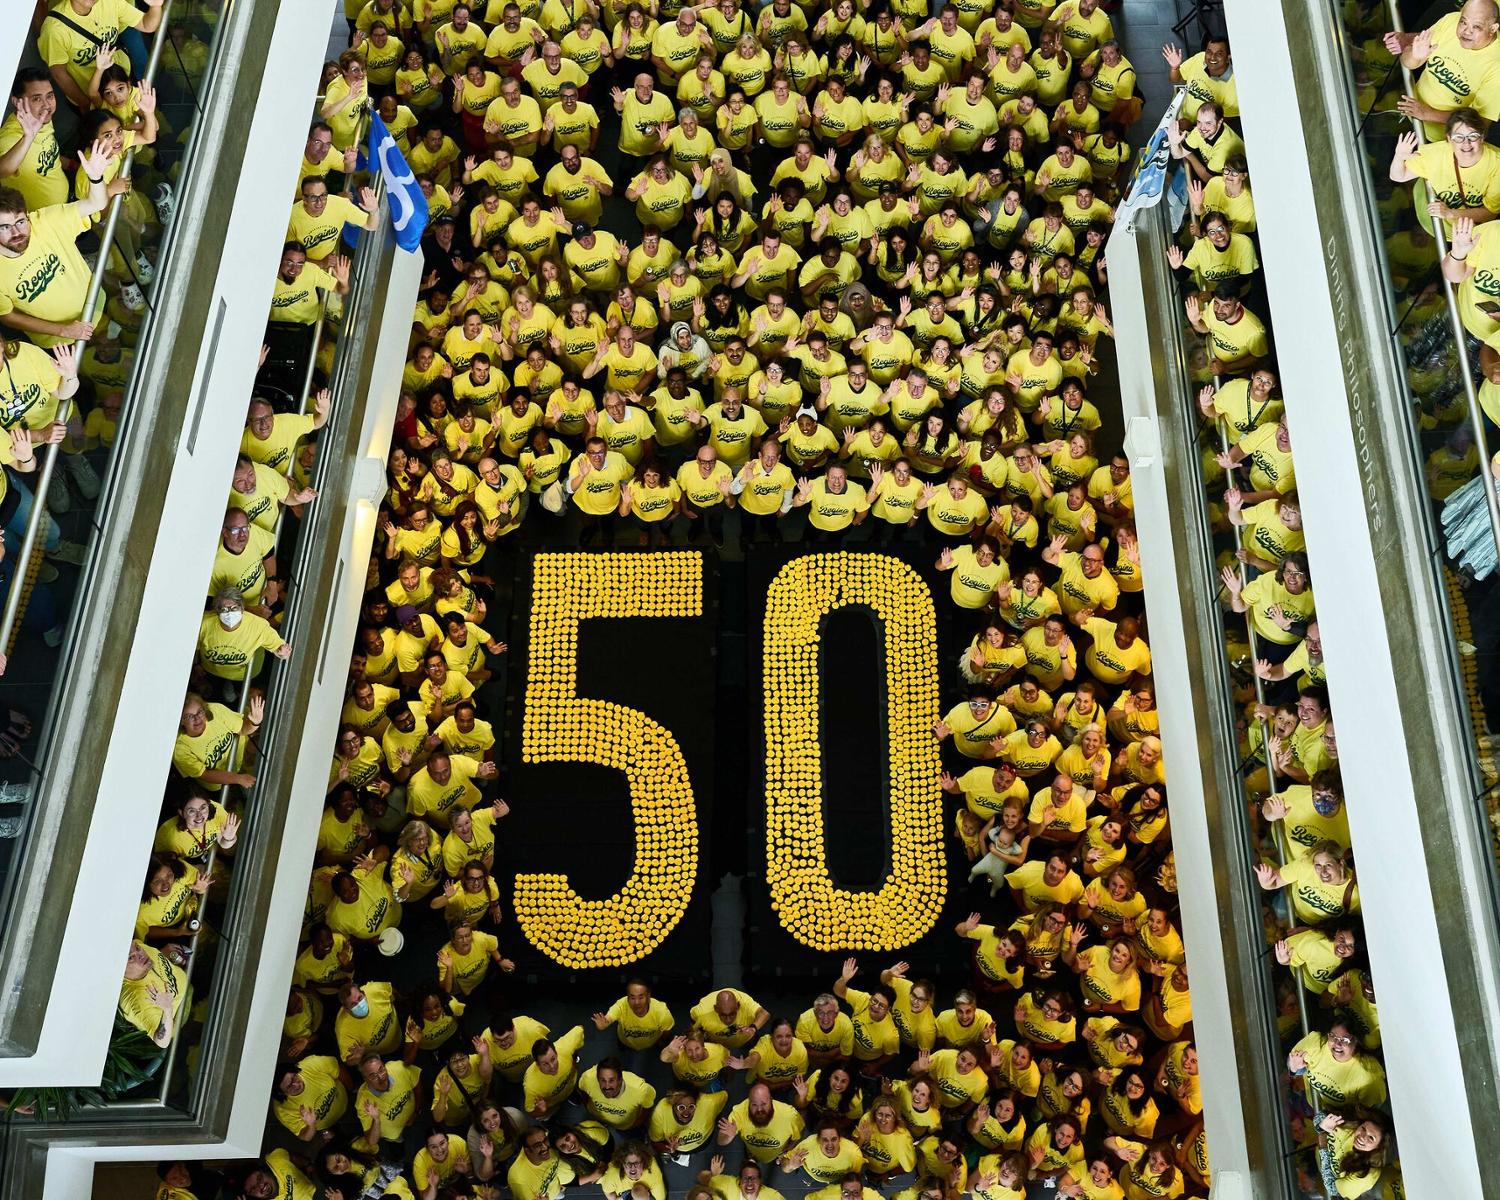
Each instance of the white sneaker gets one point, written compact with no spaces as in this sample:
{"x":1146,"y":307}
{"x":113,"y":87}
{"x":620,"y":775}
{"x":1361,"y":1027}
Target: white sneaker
{"x":145,"y":269}
{"x":165,"y":202}
{"x":81,"y":475}
{"x":132,"y":298}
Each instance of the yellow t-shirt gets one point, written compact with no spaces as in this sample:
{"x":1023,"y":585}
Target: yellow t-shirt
{"x":832,"y":511}
{"x":701,"y":492}
{"x":397,"y":1104}
{"x":699,"y":1128}
{"x":48,"y":280}
{"x":1454,"y":77}
{"x":40,"y":178}
{"x":599,"y":493}
{"x":62,"y":46}
{"x":319,"y":235}
{"x":554,"y":1089}
{"x":765,"y":1143}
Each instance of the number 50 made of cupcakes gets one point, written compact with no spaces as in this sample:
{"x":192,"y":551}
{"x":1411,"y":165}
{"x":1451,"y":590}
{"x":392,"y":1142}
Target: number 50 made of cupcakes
{"x":561,"y":726}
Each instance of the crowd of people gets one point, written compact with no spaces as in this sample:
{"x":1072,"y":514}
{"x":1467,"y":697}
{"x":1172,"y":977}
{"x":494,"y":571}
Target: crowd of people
{"x":858,"y":300}
{"x":1338,"y":1106}
{"x":826,"y":274}
{"x":77,"y":108}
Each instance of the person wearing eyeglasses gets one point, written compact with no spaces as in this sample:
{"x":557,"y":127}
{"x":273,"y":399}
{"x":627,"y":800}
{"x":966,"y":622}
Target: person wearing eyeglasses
{"x":317,"y":222}
{"x":44,"y":280}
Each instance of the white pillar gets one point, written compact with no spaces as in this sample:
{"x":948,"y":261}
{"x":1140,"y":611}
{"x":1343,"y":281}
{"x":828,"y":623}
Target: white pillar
{"x":1348,"y":521}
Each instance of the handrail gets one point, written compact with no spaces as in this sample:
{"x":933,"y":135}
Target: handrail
{"x":1460,"y":334}
{"x":38,"y":516}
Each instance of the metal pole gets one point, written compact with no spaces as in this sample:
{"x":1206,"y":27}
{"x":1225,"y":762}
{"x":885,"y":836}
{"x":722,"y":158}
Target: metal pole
{"x":48,"y":458}
{"x":1460,"y":334}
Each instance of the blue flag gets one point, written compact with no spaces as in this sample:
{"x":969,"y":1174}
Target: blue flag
{"x":408,"y":205}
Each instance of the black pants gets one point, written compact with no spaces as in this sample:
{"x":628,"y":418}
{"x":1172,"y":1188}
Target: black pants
{"x":710,"y":523}
{"x":597,"y":529}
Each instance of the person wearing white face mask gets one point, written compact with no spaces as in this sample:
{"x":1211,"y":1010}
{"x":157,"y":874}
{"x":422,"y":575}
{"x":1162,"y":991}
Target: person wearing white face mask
{"x":230,"y":640}
{"x":366,"y":1021}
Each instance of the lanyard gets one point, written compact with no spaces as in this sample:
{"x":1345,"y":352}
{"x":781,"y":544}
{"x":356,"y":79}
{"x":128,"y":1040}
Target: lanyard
{"x":15,"y":393}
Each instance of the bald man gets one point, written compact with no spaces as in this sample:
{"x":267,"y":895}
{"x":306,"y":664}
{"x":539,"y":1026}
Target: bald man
{"x":729,"y":1017}
{"x":1460,"y":61}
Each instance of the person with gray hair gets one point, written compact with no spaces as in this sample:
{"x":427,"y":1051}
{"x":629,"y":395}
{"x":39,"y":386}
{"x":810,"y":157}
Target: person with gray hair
{"x":231,"y":640}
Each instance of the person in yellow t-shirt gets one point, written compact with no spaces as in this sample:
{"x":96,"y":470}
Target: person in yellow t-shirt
{"x":553,"y":1075}
{"x":707,"y":491}
{"x":1117,"y":651}
{"x":29,"y":153}
{"x":70,"y":49}
{"x":825,"y":1156}
{"x":231,"y":641}
{"x":643,"y":111}
{"x":1280,"y":602}
{"x":766,"y":487}
{"x":779,"y":1057}
{"x":510,"y":1040}
{"x":641,"y":1021}
{"x":1460,"y":60}
{"x":961,"y":1082}
{"x":153,"y":992}
{"x":311,"y":1096}
{"x":1083,"y":582}
{"x":1237,"y":337}
{"x":317,"y":221}
{"x":685,"y":1121}
{"x":44,"y":280}
{"x":695,"y":1061}
{"x":594,"y":481}
{"x":912,"y":1009}
{"x":1037,"y":883}
{"x":766,"y":1126}
{"x":208,"y":738}
{"x":660,"y":194}
{"x":729,"y":1017}
{"x":956,"y":510}
{"x":834,"y":502}
{"x":974,"y":725}
{"x":617,"y":1097}
{"x":386,"y":1102}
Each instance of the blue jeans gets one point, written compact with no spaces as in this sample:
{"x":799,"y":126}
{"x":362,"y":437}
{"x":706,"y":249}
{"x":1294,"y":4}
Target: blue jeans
{"x":15,"y":528}
{"x":133,"y":42}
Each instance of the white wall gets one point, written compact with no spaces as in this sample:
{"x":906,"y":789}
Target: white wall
{"x":1420,"y":1041}
{"x":81,"y":1015}
{"x":13,"y":35}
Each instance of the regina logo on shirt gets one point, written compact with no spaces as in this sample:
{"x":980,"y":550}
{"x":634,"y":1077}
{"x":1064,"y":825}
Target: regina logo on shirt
{"x":1487,"y":281}
{"x":18,"y":404}
{"x":317,"y":238}
{"x":47,"y":157}
{"x":1450,"y":77}
{"x":40,"y":279}
{"x":287,"y":299}
{"x":377,"y":914}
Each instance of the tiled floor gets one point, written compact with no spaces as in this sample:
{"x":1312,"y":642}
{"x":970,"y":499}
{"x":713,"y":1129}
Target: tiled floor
{"x":1143,"y":27}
